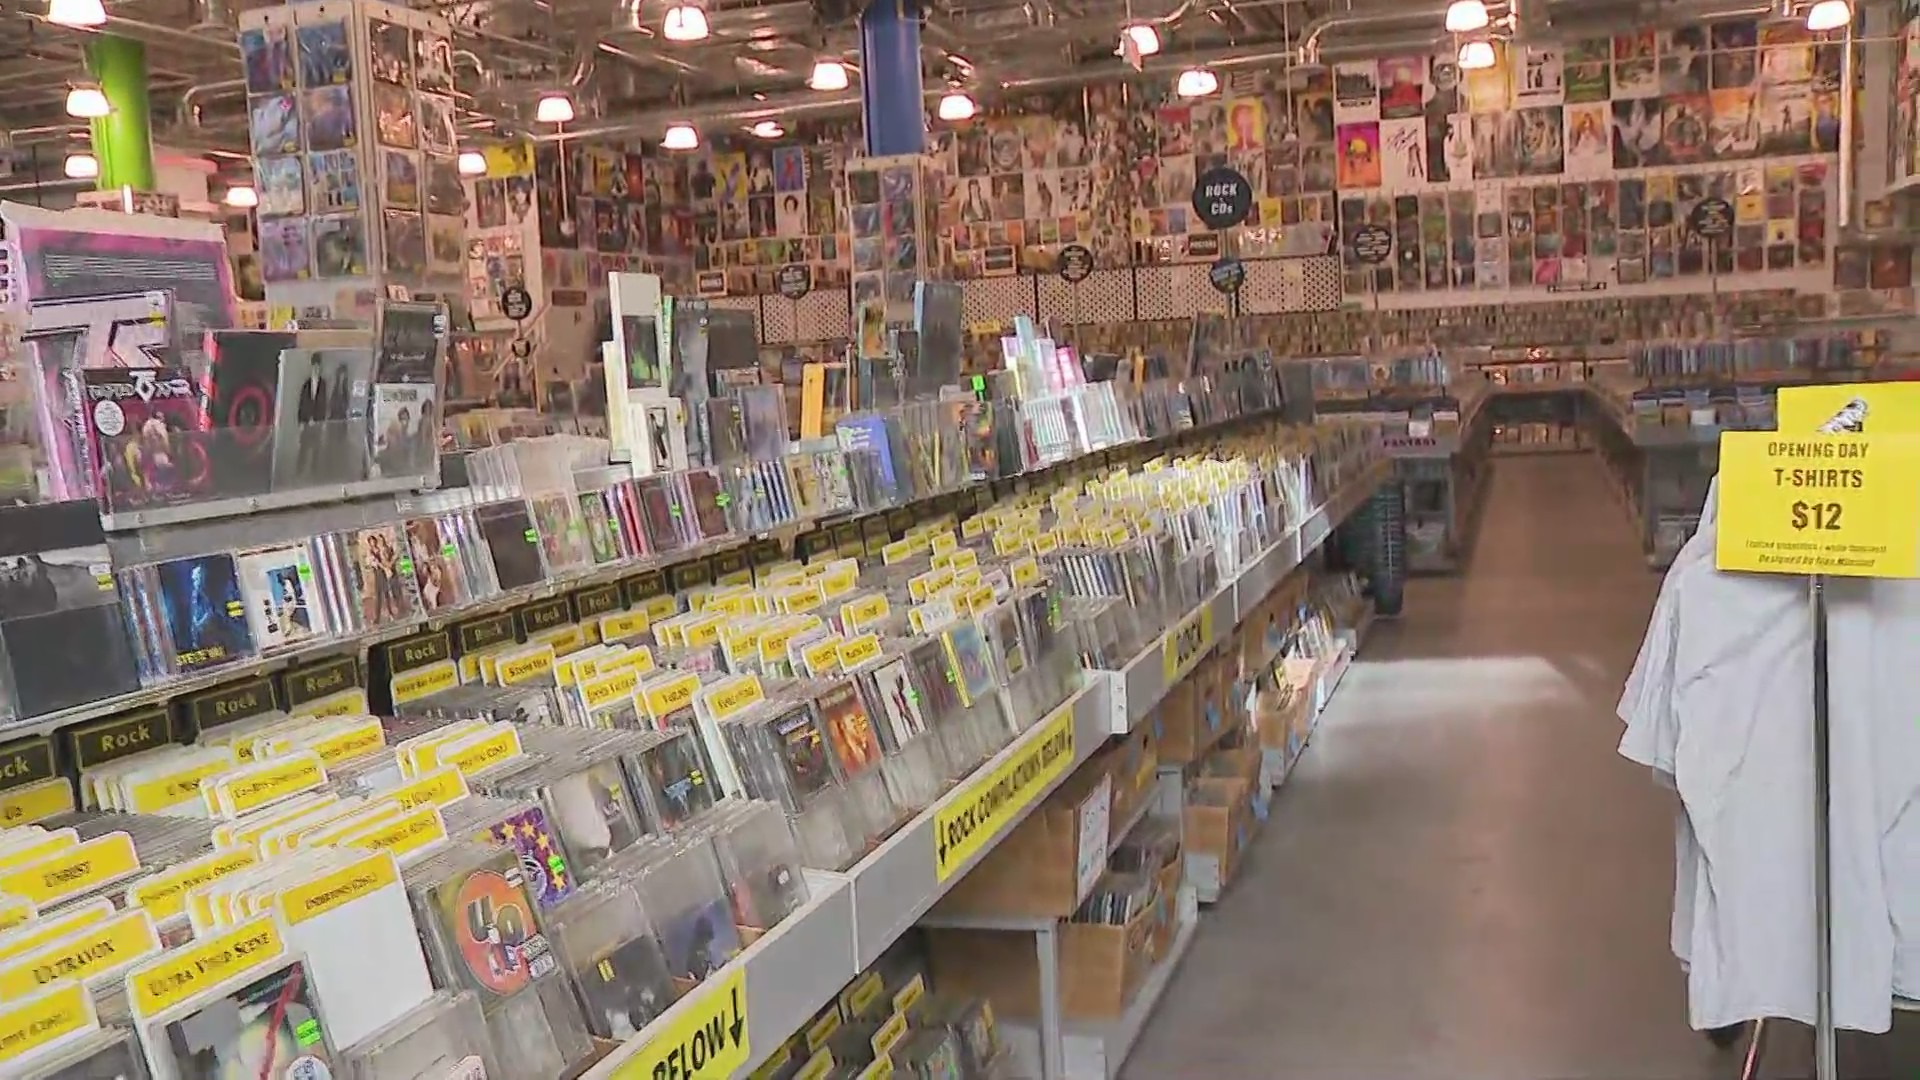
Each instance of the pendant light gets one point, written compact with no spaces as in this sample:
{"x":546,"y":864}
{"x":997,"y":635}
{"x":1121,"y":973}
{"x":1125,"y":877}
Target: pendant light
{"x":1196,"y":82}
{"x":1145,"y":38}
{"x":553,"y":109}
{"x":243,"y":197}
{"x":685,"y":22}
{"x":87,"y":101}
{"x":767,"y":129}
{"x":829,"y":75}
{"x":955,"y":107}
{"x":1476,"y":56}
{"x":1829,"y":15}
{"x":1466,"y":16}
{"x":76,"y":13}
{"x":82,"y":166}
{"x":680,"y":137}
{"x":473,"y":163}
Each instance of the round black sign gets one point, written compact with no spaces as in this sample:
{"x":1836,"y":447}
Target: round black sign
{"x":516,"y":302}
{"x":1076,"y":263}
{"x":1371,"y":244}
{"x":1711,"y":218}
{"x":1227,"y":275}
{"x":794,"y":280}
{"x":1222,"y":197}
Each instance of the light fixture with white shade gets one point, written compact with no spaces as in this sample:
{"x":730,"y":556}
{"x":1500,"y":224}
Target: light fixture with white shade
{"x":1196,"y":82}
{"x":955,"y":107}
{"x":828,"y":75}
{"x":76,"y":13}
{"x":767,"y":129}
{"x":1476,"y":56}
{"x":1145,"y":38}
{"x":1466,"y":16}
{"x":680,"y":137}
{"x":82,"y":166}
{"x":1829,"y":15}
{"x":685,"y":22}
{"x":473,"y":163}
{"x":553,"y":109}
{"x":243,"y":197}
{"x":86,"y":101}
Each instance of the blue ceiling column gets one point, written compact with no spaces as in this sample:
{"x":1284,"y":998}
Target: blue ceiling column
{"x":891,"y":91}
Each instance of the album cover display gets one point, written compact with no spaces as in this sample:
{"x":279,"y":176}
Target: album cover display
{"x":146,"y":437}
{"x":512,"y":542}
{"x":562,"y":541}
{"x":331,"y":124}
{"x":898,"y":702}
{"x":543,"y":863}
{"x":281,"y":184}
{"x":761,"y":864}
{"x":269,"y":1027}
{"x":404,"y":246}
{"x":339,"y":246}
{"x":273,"y":124}
{"x":849,"y":729}
{"x":410,"y":336}
{"x":687,"y":900}
{"x":615,"y":960}
{"x":267,"y":55}
{"x":595,"y":815}
{"x":204,"y":614}
{"x":437,"y":570}
{"x":57,"y":588}
{"x":385,"y":570}
{"x":321,"y":418}
{"x":242,"y":405}
{"x":333,"y":182}
{"x":275,"y":584}
{"x":673,"y":779}
{"x":405,"y":430}
{"x":481,"y":919}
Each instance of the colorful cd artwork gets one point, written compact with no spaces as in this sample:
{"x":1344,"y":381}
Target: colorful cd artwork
{"x":330,"y":121}
{"x":326,"y":57}
{"x":320,"y":426}
{"x":542,"y":862}
{"x":403,"y":431}
{"x":387,"y":591}
{"x":849,"y":729}
{"x":432,"y":63}
{"x":436,"y":124}
{"x":444,"y":192}
{"x":273,"y":124}
{"x":394,"y":121}
{"x":146,"y":432}
{"x":678,"y":778}
{"x":205,"y":616}
{"x":405,"y":246}
{"x":281,"y":183}
{"x":333,"y":181}
{"x":490,"y":917}
{"x":595,"y":816}
{"x":436,"y":569}
{"x":268,"y":57}
{"x":400,"y":178}
{"x":271,"y":1027}
{"x":390,"y":52}
{"x":339,"y":246}
{"x":285,"y":253}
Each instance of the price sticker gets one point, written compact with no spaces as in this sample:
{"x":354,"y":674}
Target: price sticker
{"x":1846,"y":505}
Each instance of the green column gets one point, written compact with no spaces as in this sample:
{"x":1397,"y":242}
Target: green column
{"x":122,"y":139}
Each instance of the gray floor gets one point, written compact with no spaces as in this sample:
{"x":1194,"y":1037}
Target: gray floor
{"x":1462,"y":879}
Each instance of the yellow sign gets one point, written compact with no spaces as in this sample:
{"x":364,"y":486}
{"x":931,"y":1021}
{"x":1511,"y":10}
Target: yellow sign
{"x":39,"y":848}
{"x":37,"y":801}
{"x":623,"y":625}
{"x":181,"y":973}
{"x":607,"y":689}
{"x":859,"y":650}
{"x":839,"y":581}
{"x":1845,"y":505}
{"x":897,"y":552}
{"x":822,"y":657}
{"x":734,"y":695}
{"x":44,"y":1019}
{"x":889,"y":1035}
{"x":970,"y":820}
{"x":346,"y":703}
{"x":77,"y":917}
{"x":863,"y":993}
{"x":670,"y":695}
{"x":525,"y":667}
{"x":311,"y":899}
{"x":402,"y":836}
{"x":441,"y":787}
{"x":1890,"y":408}
{"x":910,"y":995}
{"x":424,"y":682}
{"x":15,"y":912}
{"x":79,"y":869}
{"x":93,"y":953}
{"x":823,"y":1027}
{"x":484,"y":752}
{"x":943,"y":543}
{"x":164,"y":895}
{"x":162,"y":792}
{"x":1026,"y":571}
{"x":260,"y":785}
{"x":703,"y":1037}
{"x":856,"y":615}
{"x":1185,"y":643}
{"x":356,"y":741}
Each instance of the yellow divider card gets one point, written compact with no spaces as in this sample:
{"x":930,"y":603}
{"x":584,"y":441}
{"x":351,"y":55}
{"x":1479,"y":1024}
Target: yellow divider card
{"x":706,"y":1037}
{"x":976,"y":815}
{"x":181,"y":973}
{"x":1183,"y":645}
{"x":1845,"y":505}
{"x":44,"y":1019}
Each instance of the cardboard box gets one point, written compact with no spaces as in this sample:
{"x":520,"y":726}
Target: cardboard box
{"x":1218,"y":824}
{"x":1176,"y":723}
{"x":1167,"y":909}
{"x":1033,"y":871}
{"x":1132,"y":762}
{"x":1101,"y":967}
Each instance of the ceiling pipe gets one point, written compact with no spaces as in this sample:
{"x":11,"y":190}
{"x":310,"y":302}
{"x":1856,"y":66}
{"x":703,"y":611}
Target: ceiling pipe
{"x":185,"y":114}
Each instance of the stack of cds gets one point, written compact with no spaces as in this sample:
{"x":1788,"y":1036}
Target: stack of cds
{"x":56,"y":592}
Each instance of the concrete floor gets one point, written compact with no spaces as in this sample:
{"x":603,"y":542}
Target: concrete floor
{"x":1462,"y":879}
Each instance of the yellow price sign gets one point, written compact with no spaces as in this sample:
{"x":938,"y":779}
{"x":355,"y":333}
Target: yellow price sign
{"x":1888,"y":408}
{"x":703,"y":1037}
{"x":1845,"y":505}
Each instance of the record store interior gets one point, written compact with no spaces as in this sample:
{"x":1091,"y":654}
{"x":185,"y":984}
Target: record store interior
{"x":959,"y":540}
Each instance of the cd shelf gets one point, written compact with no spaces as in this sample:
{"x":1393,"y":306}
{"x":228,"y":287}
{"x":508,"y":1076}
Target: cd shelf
{"x":784,"y":979}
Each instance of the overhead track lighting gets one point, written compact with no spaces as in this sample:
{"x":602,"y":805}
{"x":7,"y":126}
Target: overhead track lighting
{"x":1466,"y":16}
{"x":1476,"y":56}
{"x":681,"y":137}
{"x":955,"y":107}
{"x":685,"y":22}
{"x":242,"y":197}
{"x":1196,"y":82}
{"x":82,"y":166}
{"x":767,"y":129}
{"x":1829,"y":15}
{"x":473,"y":163}
{"x":553,"y":109}
{"x":77,"y":13}
{"x":829,"y":75}
{"x":1144,"y":37}
{"x":86,"y":101}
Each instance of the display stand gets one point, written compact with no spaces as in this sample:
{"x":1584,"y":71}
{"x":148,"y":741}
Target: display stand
{"x":894,"y":205}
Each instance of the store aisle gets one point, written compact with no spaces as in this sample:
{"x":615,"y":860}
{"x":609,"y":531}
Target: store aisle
{"x":1462,"y":879}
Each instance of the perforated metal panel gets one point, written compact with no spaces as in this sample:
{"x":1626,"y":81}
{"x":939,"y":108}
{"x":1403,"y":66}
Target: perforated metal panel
{"x":1106,"y":296}
{"x":1320,"y":284}
{"x":997,"y":299}
{"x":1156,"y":293}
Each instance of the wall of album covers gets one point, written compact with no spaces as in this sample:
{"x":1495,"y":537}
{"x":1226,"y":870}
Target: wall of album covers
{"x":1905,"y":151}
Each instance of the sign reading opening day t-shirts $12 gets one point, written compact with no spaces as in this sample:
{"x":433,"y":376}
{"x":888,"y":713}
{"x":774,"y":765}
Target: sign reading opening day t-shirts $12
{"x":980,"y":811}
{"x":1845,"y":505}
{"x":703,"y":1036}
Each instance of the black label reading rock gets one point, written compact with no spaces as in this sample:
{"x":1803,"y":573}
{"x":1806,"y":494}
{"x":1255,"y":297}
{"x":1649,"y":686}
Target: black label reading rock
{"x":303,"y":685}
{"x":485,"y":633}
{"x":234,"y":702}
{"x":418,"y":651}
{"x":545,"y":615}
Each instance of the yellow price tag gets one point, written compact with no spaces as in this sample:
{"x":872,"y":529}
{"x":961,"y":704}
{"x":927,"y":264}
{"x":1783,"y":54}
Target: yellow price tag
{"x":1846,"y":505}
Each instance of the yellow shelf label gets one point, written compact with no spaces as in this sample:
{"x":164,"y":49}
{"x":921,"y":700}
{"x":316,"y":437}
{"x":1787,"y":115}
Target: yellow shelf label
{"x":91,"y":954}
{"x":706,"y":1038}
{"x":78,"y":869}
{"x":1184,"y":645}
{"x":424,"y":682}
{"x":37,"y":801}
{"x":971,"y":819}
{"x":181,"y":973}
{"x":44,"y":1019}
